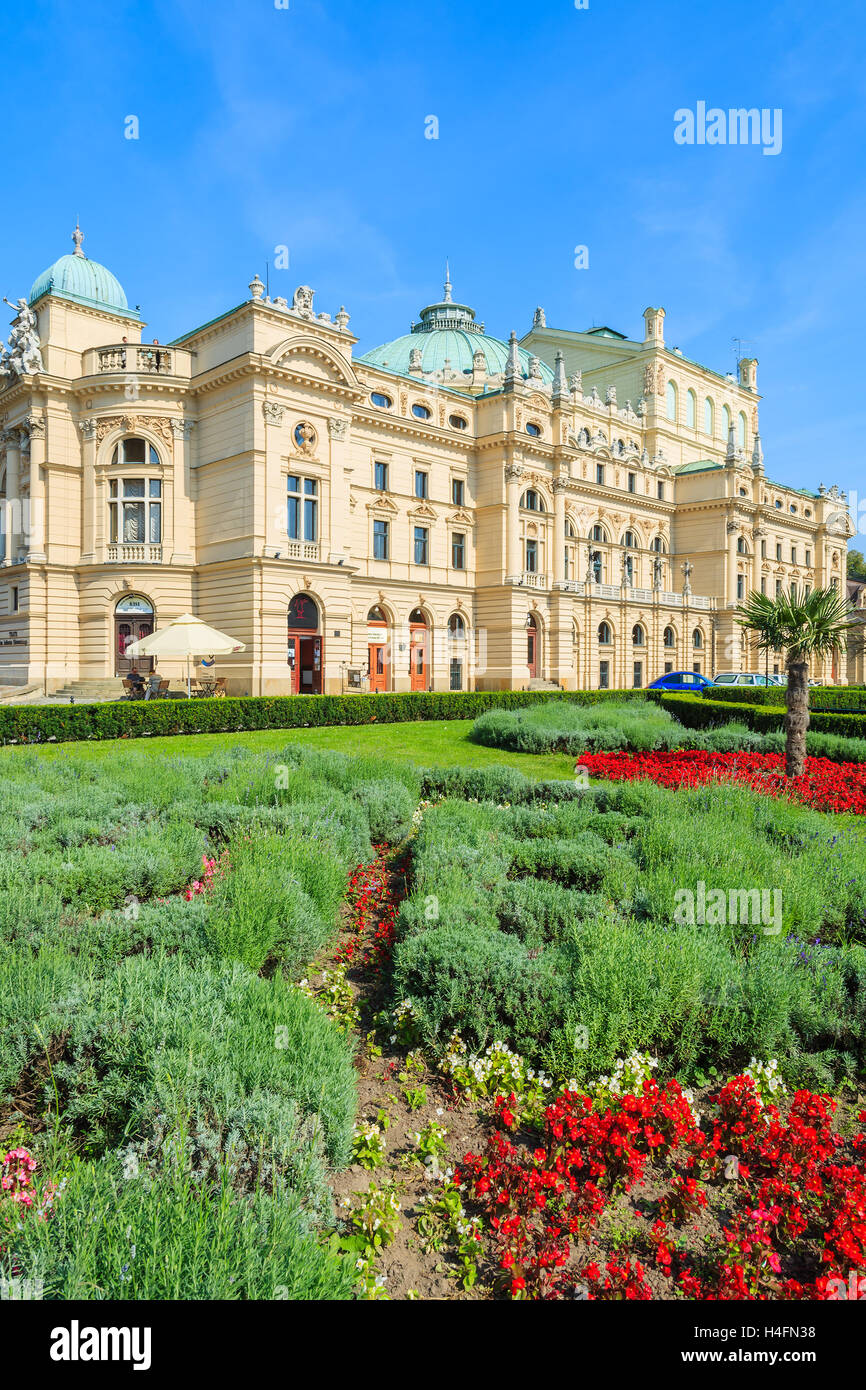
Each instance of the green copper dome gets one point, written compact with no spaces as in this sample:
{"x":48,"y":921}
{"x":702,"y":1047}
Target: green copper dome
{"x":84,"y":281}
{"x":443,"y":347}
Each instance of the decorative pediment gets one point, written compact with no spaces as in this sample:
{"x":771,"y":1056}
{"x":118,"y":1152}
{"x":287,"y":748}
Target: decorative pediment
{"x":382,"y":504}
{"x":314,"y":358}
{"x":461,"y":519}
{"x":427,"y":513}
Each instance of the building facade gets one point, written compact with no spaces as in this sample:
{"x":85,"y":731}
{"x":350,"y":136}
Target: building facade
{"x":449,"y":511}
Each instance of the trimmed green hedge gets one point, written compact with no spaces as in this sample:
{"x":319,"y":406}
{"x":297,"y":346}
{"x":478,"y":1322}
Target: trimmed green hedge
{"x":823,"y":699}
{"x":698,"y":712}
{"x":138,"y":718}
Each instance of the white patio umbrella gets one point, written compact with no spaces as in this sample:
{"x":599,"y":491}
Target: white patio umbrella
{"x":185,"y":636}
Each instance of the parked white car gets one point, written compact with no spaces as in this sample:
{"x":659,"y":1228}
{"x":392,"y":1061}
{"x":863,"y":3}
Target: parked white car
{"x":747,"y":678}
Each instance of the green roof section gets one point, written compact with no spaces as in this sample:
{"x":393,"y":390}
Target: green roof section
{"x":697,"y":466}
{"x":605,"y":333}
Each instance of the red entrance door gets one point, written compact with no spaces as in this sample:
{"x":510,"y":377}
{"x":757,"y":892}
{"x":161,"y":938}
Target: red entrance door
{"x":418,"y":658}
{"x":306,"y":663}
{"x":532,"y":647}
{"x":378,"y":667}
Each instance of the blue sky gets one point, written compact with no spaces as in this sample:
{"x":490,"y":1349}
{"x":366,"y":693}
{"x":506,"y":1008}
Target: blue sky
{"x":304,"y":127}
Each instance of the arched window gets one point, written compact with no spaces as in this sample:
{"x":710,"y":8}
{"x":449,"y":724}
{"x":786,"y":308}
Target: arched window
{"x":670,"y":638}
{"x":697,"y":639}
{"x":456,"y":628}
{"x":672,"y":400}
{"x":421,"y":412}
{"x":570,"y":532}
{"x":381,"y":400}
{"x":629,"y":540}
{"x":531,"y":501}
{"x":598,"y":533}
{"x":418,"y":618}
{"x":741,"y":430}
{"x":533,"y":429}
{"x":605,"y":636}
{"x":726,"y":420}
{"x":638,"y":635}
{"x":304,"y":613}
{"x":691,"y":409}
{"x":709,"y":417}
{"x":659,"y":545}
{"x":742,"y":548}
{"x":377,"y":615}
{"x":135,"y":450}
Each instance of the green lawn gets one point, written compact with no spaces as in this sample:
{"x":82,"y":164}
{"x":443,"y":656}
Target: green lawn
{"x":440,"y":743}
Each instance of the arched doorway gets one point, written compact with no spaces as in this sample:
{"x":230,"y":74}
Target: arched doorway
{"x":306,"y":646}
{"x":532,"y":645}
{"x":418,"y":650}
{"x":133,"y":618}
{"x":377,"y":650}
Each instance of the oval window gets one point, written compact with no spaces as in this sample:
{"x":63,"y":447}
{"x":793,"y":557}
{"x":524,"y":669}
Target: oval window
{"x":378,"y":398}
{"x":458,"y":423}
{"x":534,"y":430}
{"x":421,"y":412}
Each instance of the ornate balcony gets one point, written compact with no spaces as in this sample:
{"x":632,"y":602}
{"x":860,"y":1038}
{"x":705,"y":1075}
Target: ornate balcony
{"x":135,"y":554}
{"x":302,"y":550}
{"x":143,"y":359}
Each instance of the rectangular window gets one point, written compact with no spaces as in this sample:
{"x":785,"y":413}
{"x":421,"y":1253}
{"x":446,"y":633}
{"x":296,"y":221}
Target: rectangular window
{"x":763,"y":550}
{"x":669,"y":666}
{"x":697,"y":668}
{"x":133,"y":521}
{"x":778,"y":550}
{"x":380,"y":540}
{"x":422,"y":538}
{"x":380,"y":480}
{"x":661,"y":492}
{"x":15,"y":598}
{"x":604,"y":675}
{"x":420,"y":483}
{"x":458,"y":551}
{"x":599,"y":473}
{"x":763,"y":586}
{"x":638,"y":675}
{"x":457,"y":491}
{"x":632,"y":482}
{"x":741,"y":586}
{"x":531,"y":565}
{"x":778,"y":588}
{"x":793,"y":555}
{"x":302,"y":511}
{"x":808,"y":558}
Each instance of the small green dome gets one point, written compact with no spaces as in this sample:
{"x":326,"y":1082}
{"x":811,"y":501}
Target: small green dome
{"x":447,"y":339}
{"x":84,"y":281}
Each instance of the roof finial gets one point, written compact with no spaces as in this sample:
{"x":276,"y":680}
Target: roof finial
{"x":447,"y":282}
{"x":78,"y":237}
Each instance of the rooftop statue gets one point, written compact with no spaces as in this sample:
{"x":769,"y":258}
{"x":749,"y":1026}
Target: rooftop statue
{"x":22,"y":356}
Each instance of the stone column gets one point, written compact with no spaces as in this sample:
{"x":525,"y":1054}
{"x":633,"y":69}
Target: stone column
{"x":35,"y":521}
{"x":273,"y":520}
{"x":559,"y":487}
{"x":88,"y":491}
{"x":513,"y":558}
{"x":12,"y":442}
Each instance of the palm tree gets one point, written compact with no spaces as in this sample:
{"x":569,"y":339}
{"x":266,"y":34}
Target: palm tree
{"x":804,"y":626}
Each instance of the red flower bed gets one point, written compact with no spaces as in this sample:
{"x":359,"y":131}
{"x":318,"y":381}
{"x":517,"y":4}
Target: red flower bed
{"x":783,"y":1189}
{"x":825,"y":785}
{"x":373,"y":908}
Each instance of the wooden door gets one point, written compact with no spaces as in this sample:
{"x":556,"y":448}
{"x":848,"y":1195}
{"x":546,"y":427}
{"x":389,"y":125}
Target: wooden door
{"x":306,"y":659}
{"x":378,"y":667}
{"x":127,"y":630}
{"x":418,"y":658}
{"x":532,"y":651}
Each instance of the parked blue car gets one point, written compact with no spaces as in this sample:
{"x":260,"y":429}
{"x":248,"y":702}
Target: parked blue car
{"x":689,"y":682}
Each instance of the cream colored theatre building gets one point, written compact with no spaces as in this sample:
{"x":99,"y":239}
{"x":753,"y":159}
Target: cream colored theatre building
{"x":449,"y":511}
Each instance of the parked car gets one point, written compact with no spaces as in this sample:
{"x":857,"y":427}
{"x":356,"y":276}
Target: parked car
{"x":688,"y":681}
{"x":747,"y":678}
